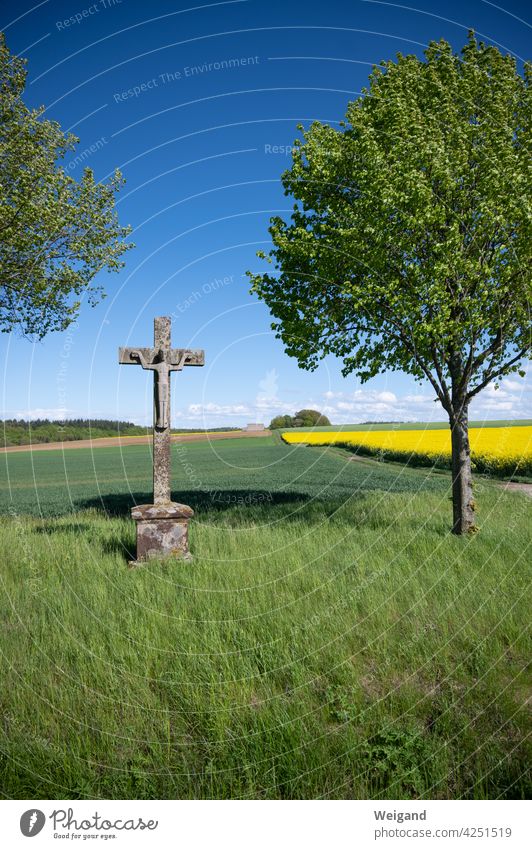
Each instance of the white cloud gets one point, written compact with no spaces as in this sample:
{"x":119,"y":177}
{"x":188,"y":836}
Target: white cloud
{"x":515,"y":385}
{"x":198,"y":410}
{"x":348,"y":406}
{"x":358,"y":405}
{"x":42,"y":413}
{"x":415,"y":400}
{"x":513,"y":399}
{"x":379,"y":405}
{"x":276,"y":404}
{"x":387,"y":397}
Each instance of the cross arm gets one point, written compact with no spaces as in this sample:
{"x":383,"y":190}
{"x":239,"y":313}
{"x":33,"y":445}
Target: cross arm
{"x":173,"y":356}
{"x":125,"y":355}
{"x":193,"y":357}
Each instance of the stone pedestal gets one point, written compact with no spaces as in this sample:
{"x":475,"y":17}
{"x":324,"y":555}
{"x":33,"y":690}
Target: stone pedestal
{"x":162,"y":531}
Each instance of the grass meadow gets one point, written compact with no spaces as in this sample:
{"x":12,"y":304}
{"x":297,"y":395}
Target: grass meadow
{"x":331,"y":639}
{"x":415,"y":425}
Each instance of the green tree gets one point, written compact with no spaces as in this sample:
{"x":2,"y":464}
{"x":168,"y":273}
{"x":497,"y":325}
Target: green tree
{"x":409,"y":245}
{"x":56,"y":234}
{"x":281,"y":422}
{"x":311,"y":418}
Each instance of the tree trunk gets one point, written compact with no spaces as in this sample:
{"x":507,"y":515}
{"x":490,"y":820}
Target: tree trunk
{"x":463,"y":504}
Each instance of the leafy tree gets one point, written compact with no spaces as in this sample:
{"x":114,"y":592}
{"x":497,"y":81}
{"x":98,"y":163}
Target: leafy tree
{"x":311,"y":418}
{"x":409,"y":246}
{"x":55,"y":233}
{"x":305,"y":418}
{"x":280,"y":422}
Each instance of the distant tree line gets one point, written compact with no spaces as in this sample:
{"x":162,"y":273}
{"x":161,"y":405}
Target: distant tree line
{"x":304,"y":418}
{"x":21,"y":432}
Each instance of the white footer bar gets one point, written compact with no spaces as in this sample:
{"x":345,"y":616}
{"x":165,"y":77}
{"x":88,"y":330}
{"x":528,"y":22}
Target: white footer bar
{"x":265,"y":824}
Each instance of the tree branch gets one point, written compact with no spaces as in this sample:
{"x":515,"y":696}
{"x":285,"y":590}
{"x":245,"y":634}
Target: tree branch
{"x":498,"y":372}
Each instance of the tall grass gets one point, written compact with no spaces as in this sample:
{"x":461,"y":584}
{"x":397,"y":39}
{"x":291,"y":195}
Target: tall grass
{"x":335,"y":647}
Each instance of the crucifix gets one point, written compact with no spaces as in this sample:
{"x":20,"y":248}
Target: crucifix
{"x":162,"y":359}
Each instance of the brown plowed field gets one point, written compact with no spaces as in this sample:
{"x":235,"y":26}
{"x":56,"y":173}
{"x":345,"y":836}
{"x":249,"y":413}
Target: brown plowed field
{"x":111,"y":441}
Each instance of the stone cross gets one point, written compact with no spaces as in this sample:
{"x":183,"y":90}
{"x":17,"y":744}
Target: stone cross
{"x":162,"y":527}
{"x":161,"y":359}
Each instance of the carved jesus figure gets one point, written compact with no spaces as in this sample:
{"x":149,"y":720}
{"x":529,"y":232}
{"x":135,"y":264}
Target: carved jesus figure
{"x":162,"y":370}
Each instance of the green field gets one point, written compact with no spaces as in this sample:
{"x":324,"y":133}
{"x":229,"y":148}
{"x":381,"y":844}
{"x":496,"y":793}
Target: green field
{"x":331,"y":639}
{"x":415,"y":425}
{"x":52,"y":483}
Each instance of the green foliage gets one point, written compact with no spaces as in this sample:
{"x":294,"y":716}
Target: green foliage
{"x":397,"y":756}
{"x":56,"y":234}
{"x":304,"y":418}
{"x":389,"y":663}
{"x":280,"y":422}
{"x":410,"y":243}
{"x":21,"y":432}
{"x":311,"y":418}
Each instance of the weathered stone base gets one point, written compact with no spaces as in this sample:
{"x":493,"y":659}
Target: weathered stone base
{"x":162,"y":531}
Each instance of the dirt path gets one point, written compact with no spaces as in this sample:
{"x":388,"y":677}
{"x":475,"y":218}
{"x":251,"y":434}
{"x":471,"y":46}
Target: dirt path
{"x":514,"y":486}
{"x":122,"y":441}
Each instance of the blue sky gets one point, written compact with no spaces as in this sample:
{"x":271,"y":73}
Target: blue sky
{"x":197,"y":104}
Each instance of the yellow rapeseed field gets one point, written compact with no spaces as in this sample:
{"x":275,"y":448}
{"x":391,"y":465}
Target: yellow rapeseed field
{"x":496,"y":450}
